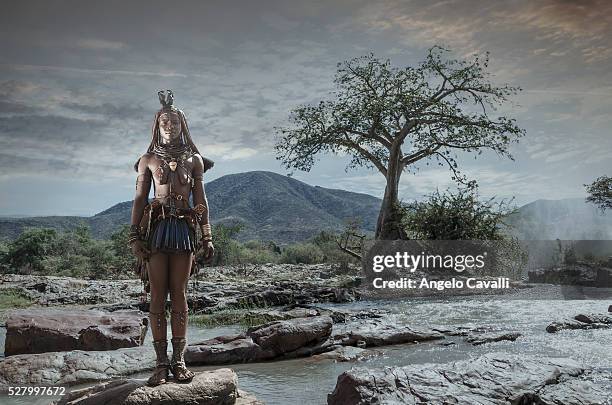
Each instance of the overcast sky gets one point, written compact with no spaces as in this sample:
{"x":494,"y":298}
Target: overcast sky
{"x":79,"y":82}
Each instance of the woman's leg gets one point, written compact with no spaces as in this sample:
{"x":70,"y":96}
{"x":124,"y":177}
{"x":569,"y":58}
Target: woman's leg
{"x":158,"y":278}
{"x":180,"y":267}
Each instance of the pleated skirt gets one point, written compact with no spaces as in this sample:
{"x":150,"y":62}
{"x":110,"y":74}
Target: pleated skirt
{"x":173,"y":235}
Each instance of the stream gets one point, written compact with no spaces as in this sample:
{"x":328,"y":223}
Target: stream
{"x":308,"y":381}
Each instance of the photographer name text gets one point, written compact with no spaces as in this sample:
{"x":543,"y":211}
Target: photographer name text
{"x":441,"y":285}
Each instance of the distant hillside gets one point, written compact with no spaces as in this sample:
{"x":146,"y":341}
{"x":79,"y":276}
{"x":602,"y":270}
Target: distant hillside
{"x":568,"y":219}
{"x":271,"y":207}
{"x":282,"y":209}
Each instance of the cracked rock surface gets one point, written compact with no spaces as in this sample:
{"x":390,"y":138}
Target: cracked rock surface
{"x":215,"y":387}
{"x":494,"y":378}
{"x":67,"y":368}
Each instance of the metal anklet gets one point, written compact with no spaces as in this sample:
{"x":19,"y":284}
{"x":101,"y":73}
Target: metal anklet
{"x":182,"y":316}
{"x":158,"y":316}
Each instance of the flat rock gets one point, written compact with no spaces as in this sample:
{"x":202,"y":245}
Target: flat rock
{"x":594,"y":318}
{"x":347,"y":353}
{"x":493,"y":379}
{"x":74,"y":367}
{"x":280,"y":315}
{"x":380,"y":333}
{"x":582,"y":321}
{"x":54,"y":330}
{"x":481,"y":339}
{"x":215,"y":387}
{"x":277,"y":339}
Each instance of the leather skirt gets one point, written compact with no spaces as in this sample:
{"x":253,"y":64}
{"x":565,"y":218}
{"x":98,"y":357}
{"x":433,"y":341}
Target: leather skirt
{"x":169,"y":230}
{"x":172,"y":235}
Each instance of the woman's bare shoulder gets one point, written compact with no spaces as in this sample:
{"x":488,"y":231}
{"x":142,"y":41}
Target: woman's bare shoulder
{"x":143,"y":161}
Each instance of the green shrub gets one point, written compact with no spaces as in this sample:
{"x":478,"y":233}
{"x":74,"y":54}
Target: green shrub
{"x":327,"y":242}
{"x":302,"y":253}
{"x":455,"y":216}
{"x":26,"y":253}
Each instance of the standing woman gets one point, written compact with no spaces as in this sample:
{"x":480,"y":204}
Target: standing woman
{"x":163,"y":233}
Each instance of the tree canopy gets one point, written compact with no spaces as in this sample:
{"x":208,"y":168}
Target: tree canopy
{"x":390,"y":118}
{"x":600,"y":192}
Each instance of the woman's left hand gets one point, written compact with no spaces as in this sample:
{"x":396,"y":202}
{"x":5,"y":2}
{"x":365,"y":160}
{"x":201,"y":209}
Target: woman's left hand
{"x":207,"y":250}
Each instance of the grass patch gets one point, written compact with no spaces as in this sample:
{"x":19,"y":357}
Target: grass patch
{"x":13,"y":298}
{"x":230,"y":317}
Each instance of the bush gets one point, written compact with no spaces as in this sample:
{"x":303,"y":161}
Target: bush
{"x":327,"y":242}
{"x":26,"y":253}
{"x":4,"y":252}
{"x":74,"y":253}
{"x":227,"y":249}
{"x":124,"y":260}
{"x":456,"y":216}
{"x":302,"y":253}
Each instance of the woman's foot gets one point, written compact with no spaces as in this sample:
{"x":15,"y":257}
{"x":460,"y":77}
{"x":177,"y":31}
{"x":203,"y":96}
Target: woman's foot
{"x":160,"y":376}
{"x":162,"y":364}
{"x":177,"y":365}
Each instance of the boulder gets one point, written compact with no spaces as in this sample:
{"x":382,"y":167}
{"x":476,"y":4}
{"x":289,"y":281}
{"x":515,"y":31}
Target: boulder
{"x":215,"y":387}
{"x":582,"y":321}
{"x":53,"y":330}
{"x":277,"y":339}
{"x":74,"y":367}
{"x":215,"y":351}
{"x":495,"y":379}
{"x":380,"y":333}
{"x":594,"y":318}
{"x":289,"y":335}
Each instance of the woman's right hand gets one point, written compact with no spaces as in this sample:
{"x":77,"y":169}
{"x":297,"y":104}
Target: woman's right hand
{"x":139,"y":250}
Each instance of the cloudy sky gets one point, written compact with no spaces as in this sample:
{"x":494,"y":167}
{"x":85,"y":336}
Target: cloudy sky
{"x":79,"y":82}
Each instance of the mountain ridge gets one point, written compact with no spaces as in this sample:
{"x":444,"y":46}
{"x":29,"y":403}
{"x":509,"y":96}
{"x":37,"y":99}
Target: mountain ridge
{"x":276,"y":207}
{"x":271,"y":206}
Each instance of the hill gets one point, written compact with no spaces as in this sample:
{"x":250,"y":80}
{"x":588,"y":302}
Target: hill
{"x":567,"y":219}
{"x":279,"y":208}
{"x":271,"y":207}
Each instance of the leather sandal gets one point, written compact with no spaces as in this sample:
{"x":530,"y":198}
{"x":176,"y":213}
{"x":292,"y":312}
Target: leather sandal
{"x":162,"y":364}
{"x":177,"y":365}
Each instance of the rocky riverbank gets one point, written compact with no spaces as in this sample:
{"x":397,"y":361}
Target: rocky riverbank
{"x":216,"y":288}
{"x":291,"y":322}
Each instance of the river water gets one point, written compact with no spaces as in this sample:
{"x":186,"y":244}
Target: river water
{"x":308,"y":381}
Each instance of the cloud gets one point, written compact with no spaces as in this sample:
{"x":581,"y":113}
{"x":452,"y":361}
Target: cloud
{"x":7,"y":107}
{"x":100,"y":44}
{"x":84,"y":87}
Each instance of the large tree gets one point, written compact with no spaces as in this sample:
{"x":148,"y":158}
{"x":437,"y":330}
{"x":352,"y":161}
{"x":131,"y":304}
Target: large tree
{"x":390,"y":118}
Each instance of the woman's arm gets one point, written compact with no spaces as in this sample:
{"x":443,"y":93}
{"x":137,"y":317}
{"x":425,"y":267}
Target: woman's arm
{"x":200,"y":205}
{"x":143,"y":186}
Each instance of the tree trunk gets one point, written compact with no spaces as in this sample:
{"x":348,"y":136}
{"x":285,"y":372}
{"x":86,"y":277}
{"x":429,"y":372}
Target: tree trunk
{"x":389,"y":226}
